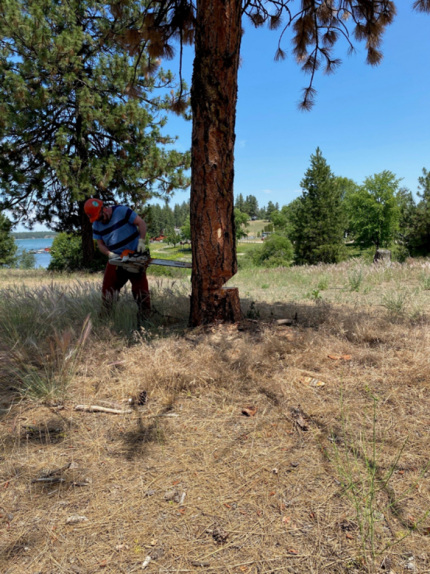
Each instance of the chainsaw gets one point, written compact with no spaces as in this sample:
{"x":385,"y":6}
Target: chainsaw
{"x":136,"y":262}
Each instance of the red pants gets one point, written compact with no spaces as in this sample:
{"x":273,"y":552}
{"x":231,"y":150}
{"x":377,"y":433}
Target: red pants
{"x":115,"y":278}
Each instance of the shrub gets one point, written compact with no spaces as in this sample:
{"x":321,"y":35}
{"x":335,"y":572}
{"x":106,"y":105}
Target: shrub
{"x":26,"y":260}
{"x":66,"y":255}
{"x":277,"y":251}
{"x":8,"y":246}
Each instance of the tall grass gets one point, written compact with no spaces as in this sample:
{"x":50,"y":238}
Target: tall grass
{"x":43,"y":330}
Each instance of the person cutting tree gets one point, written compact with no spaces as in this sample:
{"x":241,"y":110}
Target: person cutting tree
{"x":116,"y":229}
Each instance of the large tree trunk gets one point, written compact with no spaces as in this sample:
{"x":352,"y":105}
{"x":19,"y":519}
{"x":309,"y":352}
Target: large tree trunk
{"x":87,"y":236}
{"x":213,"y":101}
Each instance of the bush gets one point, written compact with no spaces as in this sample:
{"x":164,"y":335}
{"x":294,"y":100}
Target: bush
{"x":8,"y":246}
{"x":26,"y":260}
{"x":277,"y":251}
{"x":66,"y":255}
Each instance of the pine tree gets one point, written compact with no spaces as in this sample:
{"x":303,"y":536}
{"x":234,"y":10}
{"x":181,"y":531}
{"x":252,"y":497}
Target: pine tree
{"x":270,"y":209}
{"x":319,"y":217}
{"x":8,"y":246}
{"x":78,"y":117}
{"x":240,"y":203}
{"x":420,"y":233}
{"x":317,"y":25}
{"x":251,"y":205}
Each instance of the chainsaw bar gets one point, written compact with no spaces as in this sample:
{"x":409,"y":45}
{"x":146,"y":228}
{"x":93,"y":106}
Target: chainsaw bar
{"x":135,"y":262}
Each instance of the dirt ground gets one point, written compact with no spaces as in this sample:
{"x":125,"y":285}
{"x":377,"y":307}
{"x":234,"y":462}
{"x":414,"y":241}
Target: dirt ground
{"x":259,"y":447}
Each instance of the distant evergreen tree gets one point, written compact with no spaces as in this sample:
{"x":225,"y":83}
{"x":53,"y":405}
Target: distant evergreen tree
{"x":168,"y":219}
{"x":407,"y":220}
{"x":262,"y":213}
{"x":319,"y":216}
{"x":251,"y":206}
{"x":240,"y":203}
{"x":8,"y":246}
{"x":420,"y":233}
{"x":270,"y":209}
{"x":184,"y":212}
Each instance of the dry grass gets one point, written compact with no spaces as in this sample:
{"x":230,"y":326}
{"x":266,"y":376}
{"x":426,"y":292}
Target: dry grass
{"x":262,"y":494}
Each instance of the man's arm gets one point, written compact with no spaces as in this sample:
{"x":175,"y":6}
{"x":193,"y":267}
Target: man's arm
{"x":138,"y":222}
{"x":141,"y":225}
{"x":102,"y":246}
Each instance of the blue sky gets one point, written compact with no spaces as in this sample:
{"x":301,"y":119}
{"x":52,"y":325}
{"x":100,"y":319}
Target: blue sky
{"x":365,"y":119}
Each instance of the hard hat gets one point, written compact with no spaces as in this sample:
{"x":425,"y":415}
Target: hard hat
{"x":93,"y":208}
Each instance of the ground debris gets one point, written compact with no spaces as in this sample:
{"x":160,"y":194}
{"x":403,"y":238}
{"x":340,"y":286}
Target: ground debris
{"x":75,"y":519}
{"x":172,"y":495}
{"x":219,"y":535}
{"x":99,"y":409}
{"x":339,"y":357}
{"x":249,"y":411}
{"x":312,"y":382}
{"x":49,"y":480}
{"x":284,"y":321}
{"x":299,"y":419}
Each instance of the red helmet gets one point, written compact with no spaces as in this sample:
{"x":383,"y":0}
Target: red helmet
{"x":93,"y":208}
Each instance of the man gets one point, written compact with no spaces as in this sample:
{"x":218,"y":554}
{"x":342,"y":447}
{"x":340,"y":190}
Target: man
{"x":116,"y":229}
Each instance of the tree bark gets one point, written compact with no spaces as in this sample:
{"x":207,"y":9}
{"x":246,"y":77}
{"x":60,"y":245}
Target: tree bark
{"x":213,"y":101}
{"x":86,"y":236}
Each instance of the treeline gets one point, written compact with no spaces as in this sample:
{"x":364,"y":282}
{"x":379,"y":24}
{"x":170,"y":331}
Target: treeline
{"x":335,"y":218}
{"x":162,"y":220}
{"x":32,"y":234}
{"x":249,"y":205}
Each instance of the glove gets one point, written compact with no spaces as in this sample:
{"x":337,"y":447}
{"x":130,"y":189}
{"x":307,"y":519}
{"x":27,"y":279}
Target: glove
{"x":112,"y":255}
{"x":141,"y":246}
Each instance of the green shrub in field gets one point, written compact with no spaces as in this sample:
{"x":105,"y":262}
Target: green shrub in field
{"x":277,"y":251}
{"x":66,"y":255}
{"x":8,"y":246}
{"x":26,"y":260}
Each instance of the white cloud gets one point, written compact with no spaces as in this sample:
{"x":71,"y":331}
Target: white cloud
{"x":242,"y":143}
{"x":267,"y":191}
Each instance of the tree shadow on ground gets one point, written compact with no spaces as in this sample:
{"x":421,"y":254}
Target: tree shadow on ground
{"x":135,"y":442}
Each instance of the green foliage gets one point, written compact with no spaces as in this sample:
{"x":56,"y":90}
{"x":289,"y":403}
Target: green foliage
{"x":173,"y":239}
{"x":323,"y":283}
{"x":8,"y":246}
{"x":318,"y":216}
{"x":374,"y":210}
{"x":355,"y":279}
{"x":271,"y":207}
{"x":419,"y":231}
{"x":279,"y":220}
{"x":26,"y":260}
{"x":78,"y":112}
{"x":248,"y":205}
{"x":186,"y":229}
{"x":66,"y":255}
{"x":314,"y":295}
{"x":276,"y":251}
{"x":241,"y":221}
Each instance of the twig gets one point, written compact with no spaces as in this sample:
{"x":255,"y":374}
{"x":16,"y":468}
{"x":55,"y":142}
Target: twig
{"x":98,"y":409}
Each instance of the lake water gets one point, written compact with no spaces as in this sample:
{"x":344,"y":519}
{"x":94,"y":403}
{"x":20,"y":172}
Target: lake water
{"x":42,"y":259}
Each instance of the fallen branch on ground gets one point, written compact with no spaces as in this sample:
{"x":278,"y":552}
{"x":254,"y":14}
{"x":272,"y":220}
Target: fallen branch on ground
{"x":98,"y":409}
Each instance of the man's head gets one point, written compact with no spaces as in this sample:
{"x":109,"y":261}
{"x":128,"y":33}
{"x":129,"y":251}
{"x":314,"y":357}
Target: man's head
{"x":95,"y":210}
